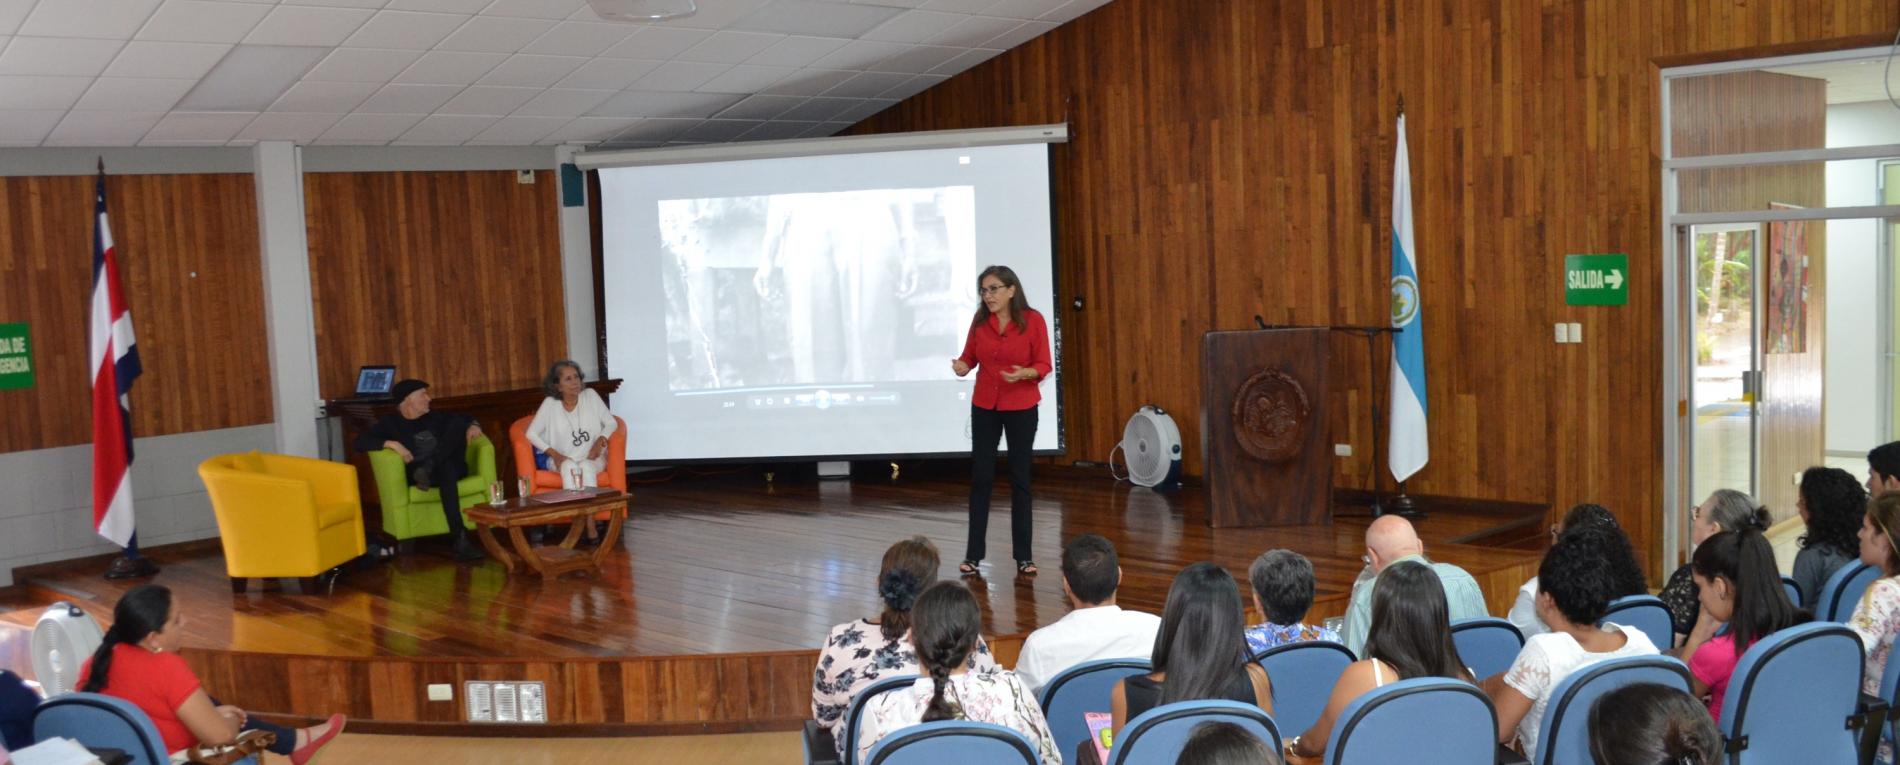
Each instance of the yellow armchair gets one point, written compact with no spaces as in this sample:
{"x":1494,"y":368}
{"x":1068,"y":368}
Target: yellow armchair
{"x":283,"y":516}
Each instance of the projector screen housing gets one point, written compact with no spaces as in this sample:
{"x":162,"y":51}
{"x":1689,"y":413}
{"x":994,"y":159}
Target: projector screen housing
{"x":808,"y":307}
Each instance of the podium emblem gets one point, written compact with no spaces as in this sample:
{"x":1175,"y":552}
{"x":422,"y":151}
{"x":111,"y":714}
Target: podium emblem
{"x":1271,"y":415}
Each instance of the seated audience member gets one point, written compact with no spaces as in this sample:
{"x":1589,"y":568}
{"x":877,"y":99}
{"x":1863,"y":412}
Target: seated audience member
{"x":1877,"y":618}
{"x":1724,"y":510}
{"x":1200,"y":652}
{"x":1283,"y":592}
{"x":1831,"y":503}
{"x":1096,"y":628}
{"x":1389,"y":540}
{"x":434,"y":445}
{"x":858,"y":653}
{"x":1410,"y":636}
{"x":572,"y":424}
{"x":1576,"y":584}
{"x":1883,"y":469}
{"x":1741,"y":589}
{"x":944,"y":626}
{"x":17,"y":702}
{"x":1224,"y":743}
{"x":139,"y":662}
{"x":1599,"y":528}
{"x":1652,"y":724}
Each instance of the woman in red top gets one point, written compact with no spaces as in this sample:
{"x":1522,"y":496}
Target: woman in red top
{"x":139,"y":662}
{"x":1008,"y":346}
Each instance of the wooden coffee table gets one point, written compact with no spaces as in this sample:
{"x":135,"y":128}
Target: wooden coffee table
{"x":549,"y":560}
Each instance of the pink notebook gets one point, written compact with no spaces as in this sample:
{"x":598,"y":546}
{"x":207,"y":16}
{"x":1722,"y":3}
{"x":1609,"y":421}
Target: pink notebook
{"x":1099,"y":733}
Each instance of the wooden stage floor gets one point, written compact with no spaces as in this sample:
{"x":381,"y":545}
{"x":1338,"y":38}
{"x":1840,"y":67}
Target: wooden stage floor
{"x":709,"y":619}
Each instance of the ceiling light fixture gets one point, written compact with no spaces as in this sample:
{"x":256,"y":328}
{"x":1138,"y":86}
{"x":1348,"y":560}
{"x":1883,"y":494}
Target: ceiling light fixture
{"x":643,"y":10}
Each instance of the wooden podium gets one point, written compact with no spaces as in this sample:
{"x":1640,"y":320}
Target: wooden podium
{"x":1264,"y":427}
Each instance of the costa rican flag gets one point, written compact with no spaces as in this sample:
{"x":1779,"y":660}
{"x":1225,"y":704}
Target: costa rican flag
{"x":115,"y":364}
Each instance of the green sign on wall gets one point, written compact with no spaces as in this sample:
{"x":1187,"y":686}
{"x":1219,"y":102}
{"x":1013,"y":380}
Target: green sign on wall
{"x":16,"y":357}
{"x":1596,"y":279}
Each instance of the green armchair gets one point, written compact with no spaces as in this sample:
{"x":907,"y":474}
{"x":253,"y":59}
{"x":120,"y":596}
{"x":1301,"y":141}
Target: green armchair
{"x":409,"y":512}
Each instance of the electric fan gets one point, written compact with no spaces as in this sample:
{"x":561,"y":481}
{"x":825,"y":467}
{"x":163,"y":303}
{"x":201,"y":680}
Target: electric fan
{"x":62,"y":641}
{"x":1151,"y":446}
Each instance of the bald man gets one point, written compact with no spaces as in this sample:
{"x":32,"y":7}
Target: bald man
{"x":1391,"y":539}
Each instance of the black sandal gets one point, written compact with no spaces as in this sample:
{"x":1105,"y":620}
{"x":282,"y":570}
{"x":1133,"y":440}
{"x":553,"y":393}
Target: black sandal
{"x":1026,"y":567}
{"x":968,"y":567}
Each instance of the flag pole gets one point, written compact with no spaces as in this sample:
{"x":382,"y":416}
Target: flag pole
{"x":1401,"y":505}
{"x":129,"y":564}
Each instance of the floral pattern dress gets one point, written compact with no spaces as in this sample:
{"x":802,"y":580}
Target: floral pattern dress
{"x":989,"y":695}
{"x":855,"y":655}
{"x":1261,"y":637}
{"x":1877,"y":621}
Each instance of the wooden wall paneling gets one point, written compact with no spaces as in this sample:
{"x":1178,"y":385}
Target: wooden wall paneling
{"x":454,"y":277}
{"x":188,"y":256}
{"x":1534,"y":133}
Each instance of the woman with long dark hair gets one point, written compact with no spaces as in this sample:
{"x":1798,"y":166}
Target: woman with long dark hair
{"x":139,"y":662}
{"x":1410,"y":636}
{"x":944,"y":626}
{"x":1652,"y":724}
{"x":1008,"y":346}
{"x":1831,"y":501}
{"x":1599,"y":530}
{"x":1200,"y":652}
{"x":1740,"y":587}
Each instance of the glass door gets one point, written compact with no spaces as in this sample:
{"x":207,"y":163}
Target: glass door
{"x":1725,"y":377}
{"x":1888,"y":259}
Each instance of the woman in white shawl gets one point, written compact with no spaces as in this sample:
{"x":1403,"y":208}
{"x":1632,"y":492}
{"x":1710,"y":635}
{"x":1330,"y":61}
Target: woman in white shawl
{"x":572,"y":424}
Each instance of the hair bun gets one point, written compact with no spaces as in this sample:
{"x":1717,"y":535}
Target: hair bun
{"x":1761,"y":519}
{"x":899,"y":589}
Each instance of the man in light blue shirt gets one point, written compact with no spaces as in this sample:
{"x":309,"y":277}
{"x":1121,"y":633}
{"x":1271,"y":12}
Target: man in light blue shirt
{"x":1389,"y":540}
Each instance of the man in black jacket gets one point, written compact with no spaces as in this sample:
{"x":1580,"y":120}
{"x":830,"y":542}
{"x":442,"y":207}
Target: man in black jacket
{"x":434,"y":447}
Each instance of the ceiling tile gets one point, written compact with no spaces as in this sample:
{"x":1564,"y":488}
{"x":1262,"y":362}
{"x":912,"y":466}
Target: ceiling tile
{"x":485,"y":99}
{"x":657,"y":43}
{"x":778,"y":130}
{"x":466,"y":7}
{"x":164,"y":59}
{"x":58,"y":56}
{"x":868,"y":84}
{"x":26,"y":128}
{"x":973,"y":31}
{"x":745,"y":79}
{"x":607,"y":74}
{"x":810,"y":17}
{"x":797,"y":51}
{"x":101,"y":19}
{"x":287,"y":126}
{"x":145,"y":94}
{"x":578,"y":38}
{"x":202,"y":21}
{"x":12,"y":13}
{"x":859,"y":54}
{"x":36,"y":92}
{"x":720,"y":131}
{"x":535,"y":9}
{"x":1072,"y":10}
{"x":1022,"y":9}
{"x":761,"y":107}
{"x":324,"y":97}
{"x":444,"y":67}
{"x":400,"y":98}
{"x":560,"y":102}
{"x":446,"y":129}
{"x":913,"y":27}
{"x":719,"y":14}
{"x":496,"y":35}
{"x":965,"y":60}
{"x":589,"y":129}
{"x":1029,"y":30}
{"x":918,"y":60}
{"x":369,"y":128}
{"x":635,"y":103}
{"x":730,"y":47}
{"x":250,"y":78}
{"x":679,"y":75}
{"x":916,"y":85}
{"x":404,"y":30}
{"x":893,"y":3}
{"x":532,"y":71}
{"x":197,"y":128}
{"x":826,"y":130}
{"x":820,"y":109}
{"x":656,"y":130}
{"x":865,"y":109}
{"x":362,"y":65}
{"x":958,"y":6}
{"x":370,"y":4}
{"x":102,"y":128}
{"x":308,"y":25}
{"x":518,"y":131}
{"x":810,"y":82}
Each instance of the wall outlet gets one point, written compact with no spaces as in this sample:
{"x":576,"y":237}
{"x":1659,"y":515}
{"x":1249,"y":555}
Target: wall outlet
{"x":1342,"y":450}
{"x":1563,"y":332}
{"x":524,"y":176}
{"x":441,"y":692}
{"x":1576,"y":332}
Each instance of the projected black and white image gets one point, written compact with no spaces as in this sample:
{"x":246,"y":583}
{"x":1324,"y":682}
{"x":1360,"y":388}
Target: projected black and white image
{"x":816,"y":288}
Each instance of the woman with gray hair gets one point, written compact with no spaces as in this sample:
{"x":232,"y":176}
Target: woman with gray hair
{"x":572,"y":425}
{"x":1283,"y":592}
{"x":1724,"y":510}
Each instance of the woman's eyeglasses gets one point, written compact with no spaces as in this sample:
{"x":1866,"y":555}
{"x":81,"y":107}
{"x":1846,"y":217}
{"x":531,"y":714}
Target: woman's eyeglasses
{"x":987,"y":291}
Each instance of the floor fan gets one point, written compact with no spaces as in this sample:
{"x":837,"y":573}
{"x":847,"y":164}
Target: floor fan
{"x":1151,"y":447}
{"x":62,"y":641}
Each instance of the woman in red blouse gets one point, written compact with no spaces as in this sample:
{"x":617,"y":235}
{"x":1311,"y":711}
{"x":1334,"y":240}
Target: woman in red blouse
{"x":1008,"y":346}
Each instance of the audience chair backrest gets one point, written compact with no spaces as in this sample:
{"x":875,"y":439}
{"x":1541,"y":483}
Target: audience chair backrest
{"x":854,"y":715}
{"x":1890,"y":692}
{"x":1085,"y":687}
{"x":953,"y":742}
{"x":1422,"y":721}
{"x":1486,"y":644}
{"x":1842,"y":592}
{"x":1564,"y":731}
{"x":1791,"y":696}
{"x":1159,"y":734}
{"x":1793,"y":588}
{"x":1303,"y":676}
{"x":1646,"y":613}
{"x":101,"y":722}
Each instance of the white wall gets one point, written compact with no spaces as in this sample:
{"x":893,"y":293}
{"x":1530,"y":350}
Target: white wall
{"x":1852,"y":350}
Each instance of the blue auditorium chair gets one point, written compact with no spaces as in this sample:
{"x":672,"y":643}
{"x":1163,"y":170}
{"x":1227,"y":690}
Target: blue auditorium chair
{"x":1085,"y":687}
{"x":953,"y":742}
{"x":1564,"y":730}
{"x":1794,"y":698}
{"x":1793,"y":588}
{"x":98,"y":721}
{"x":1486,"y":644}
{"x":1841,"y":594}
{"x":820,"y":746}
{"x":1646,"y":613}
{"x":1157,"y":735}
{"x":1422,"y":721}
{"x":1303,"y":676}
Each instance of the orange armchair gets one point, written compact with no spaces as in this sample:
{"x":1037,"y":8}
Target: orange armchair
{"x":615,"y":475}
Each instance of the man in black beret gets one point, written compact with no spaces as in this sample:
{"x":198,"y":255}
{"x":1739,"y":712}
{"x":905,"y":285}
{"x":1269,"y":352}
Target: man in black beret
{"x":434,"y":446}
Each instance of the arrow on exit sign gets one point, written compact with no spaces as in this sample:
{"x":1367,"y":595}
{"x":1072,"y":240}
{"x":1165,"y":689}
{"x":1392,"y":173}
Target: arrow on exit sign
{"x":1596,"y":279}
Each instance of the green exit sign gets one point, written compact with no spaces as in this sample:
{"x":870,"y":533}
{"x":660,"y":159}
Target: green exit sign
{"x":1596,"y":279}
